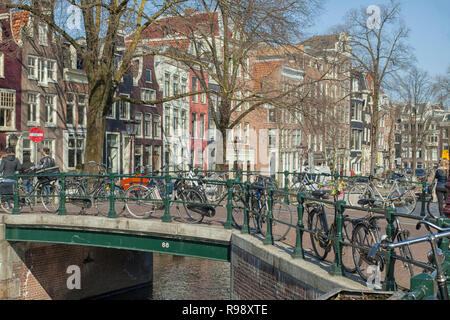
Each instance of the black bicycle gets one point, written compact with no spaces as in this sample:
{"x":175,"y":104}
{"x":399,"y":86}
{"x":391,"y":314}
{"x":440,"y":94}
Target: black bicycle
{"x":323,"y":235}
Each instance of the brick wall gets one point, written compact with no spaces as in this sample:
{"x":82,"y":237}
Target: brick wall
{"x":40,"y":271}
{"x":254,"y":279}
{"x":266,"y":272}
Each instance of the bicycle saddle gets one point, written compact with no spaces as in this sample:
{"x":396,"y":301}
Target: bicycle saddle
{"x":363,"y":202}
{"x":319,"y":194}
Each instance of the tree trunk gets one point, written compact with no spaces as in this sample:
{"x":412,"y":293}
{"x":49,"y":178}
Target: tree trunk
{"x":100,"y":97}
{"x":374,"y":133}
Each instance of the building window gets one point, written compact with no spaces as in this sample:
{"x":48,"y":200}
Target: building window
{"x":124,"y":109}
{"x":33,"y":109}
{"x":148,"y":75}
{"x":75,"y":147}
{"x":148,"y":95}
{"x":166,"y":85}
{"x":202,"y":126}
{"x":81,"y":110}
{"x":272,"y":138}
{"x":167,"y":121}
{"x":271,"y":115}
{"x":175,"y":85}
{"x":32,"y":67}
{"x":7,"y":107}
{"x":157,"y":126}
{"x":50,"y":109}
{"x":138,"y":119}
{"x":51,"y":70}
{"x":2,"y":64}
{"x":148,"y":125}
{"x":194,"y":125}
{"x":43,"y":34}
{"x":194,"y":88}
{"x":70,"y":109}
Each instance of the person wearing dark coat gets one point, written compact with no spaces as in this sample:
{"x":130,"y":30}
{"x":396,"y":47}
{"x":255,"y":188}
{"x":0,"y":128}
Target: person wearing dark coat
{"x":9,"y":165}
{"x":27,"y":165}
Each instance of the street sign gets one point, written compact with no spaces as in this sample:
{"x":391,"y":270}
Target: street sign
{"x":36,"y":134}
{"x":445,"y":154}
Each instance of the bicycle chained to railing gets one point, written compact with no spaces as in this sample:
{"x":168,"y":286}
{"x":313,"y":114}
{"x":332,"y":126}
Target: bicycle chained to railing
{"x":397,"y":195}
{"x":259,"y":205}
{"x":366,"y":232}
{"x":438,"y":268}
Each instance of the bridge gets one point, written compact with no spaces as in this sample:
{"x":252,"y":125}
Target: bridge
{"x":261,"y":267}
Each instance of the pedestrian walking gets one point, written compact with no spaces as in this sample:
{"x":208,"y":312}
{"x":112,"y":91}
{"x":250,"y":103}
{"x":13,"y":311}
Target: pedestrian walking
{"x":9,"y":165}
{"x":441,"y":175}
{"x":27,"y":165}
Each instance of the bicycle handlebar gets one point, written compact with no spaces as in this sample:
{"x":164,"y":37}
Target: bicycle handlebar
{"x":428,"y":223}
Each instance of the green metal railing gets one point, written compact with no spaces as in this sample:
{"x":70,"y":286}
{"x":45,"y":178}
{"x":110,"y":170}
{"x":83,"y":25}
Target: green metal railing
{"x":420,"y":285}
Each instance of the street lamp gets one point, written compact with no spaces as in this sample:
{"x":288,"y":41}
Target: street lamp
{"x":131,"y":127}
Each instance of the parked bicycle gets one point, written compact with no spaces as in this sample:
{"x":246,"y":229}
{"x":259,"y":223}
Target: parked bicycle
{"x":258,"y":206}
{"x":397,"y":195}
{"x":141,"y":200}
{"x":435,"y":257}
{"x":366,"y":233}
{"x":323,"y":235}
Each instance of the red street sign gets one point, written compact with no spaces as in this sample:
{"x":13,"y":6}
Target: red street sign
{"x":36,"y":134}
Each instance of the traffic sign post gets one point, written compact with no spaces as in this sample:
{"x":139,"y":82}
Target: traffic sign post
{"x":36,"y":134}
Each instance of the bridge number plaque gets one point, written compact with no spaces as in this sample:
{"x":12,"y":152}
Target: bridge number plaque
{"x":165,"y":245}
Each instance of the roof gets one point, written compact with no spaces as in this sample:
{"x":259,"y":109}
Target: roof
{"x":180,"y":27}
{"x":19,"y":20}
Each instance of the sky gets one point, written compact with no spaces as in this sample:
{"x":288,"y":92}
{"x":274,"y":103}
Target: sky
{"x":428,"y":21}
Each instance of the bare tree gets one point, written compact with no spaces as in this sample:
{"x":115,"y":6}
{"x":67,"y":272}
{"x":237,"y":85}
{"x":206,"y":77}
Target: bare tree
{"x":378,"y":48}
{"x":216,"y":40}
{"x":101,"y":24}
{"x":414,"y":89}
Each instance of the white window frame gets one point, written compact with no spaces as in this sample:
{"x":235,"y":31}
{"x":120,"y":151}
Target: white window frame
{"x":50,"y":110}
{"x":8,"y":104}
{"x":73,"y":103}
{"x":148,"y":123}
{"x":148,"y":94}
{"x":43,"y":34}
{"x":84,"y":105}
{"x":138,"y":119}
{"x":2,"y":64}
{"x":31,"y":122}
{"x":127,"y":106}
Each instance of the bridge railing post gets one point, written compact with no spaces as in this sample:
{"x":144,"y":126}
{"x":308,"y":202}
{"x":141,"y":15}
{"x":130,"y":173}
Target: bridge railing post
{"x":390,"y":260}
{"x":298,"y":250}
{"x":337,"y":265}
{"x":16,"y":209}
{"x":112,"y":199}
{"x":229,"y":222}
{"x":286,"y":186}
{"x":62,"y":196}
{"x":269,"y":235}
{"x":245,"y":226}
{"x":166,"y":217}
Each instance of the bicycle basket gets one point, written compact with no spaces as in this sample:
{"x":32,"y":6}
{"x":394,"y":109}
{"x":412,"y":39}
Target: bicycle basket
{"x":126,"y":183}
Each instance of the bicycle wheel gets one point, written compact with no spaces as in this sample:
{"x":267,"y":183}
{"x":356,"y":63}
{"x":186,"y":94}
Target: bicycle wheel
{"x":7,"y":203}
{"x":405,"y":252}
{"x":357,"y":192}
{"x":319,"y":232}
{"x":282,"y":220}
{"x":347,"y":258}
{"x":187,"y":210}
{"x":363,"y":238}
{"x":102,"y":202}
{"x":433,"y":208}
{"x":141,"y":201}
{"x":215,"y":191}
{"x":49,"y":194}
{"x":406,"y":203}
